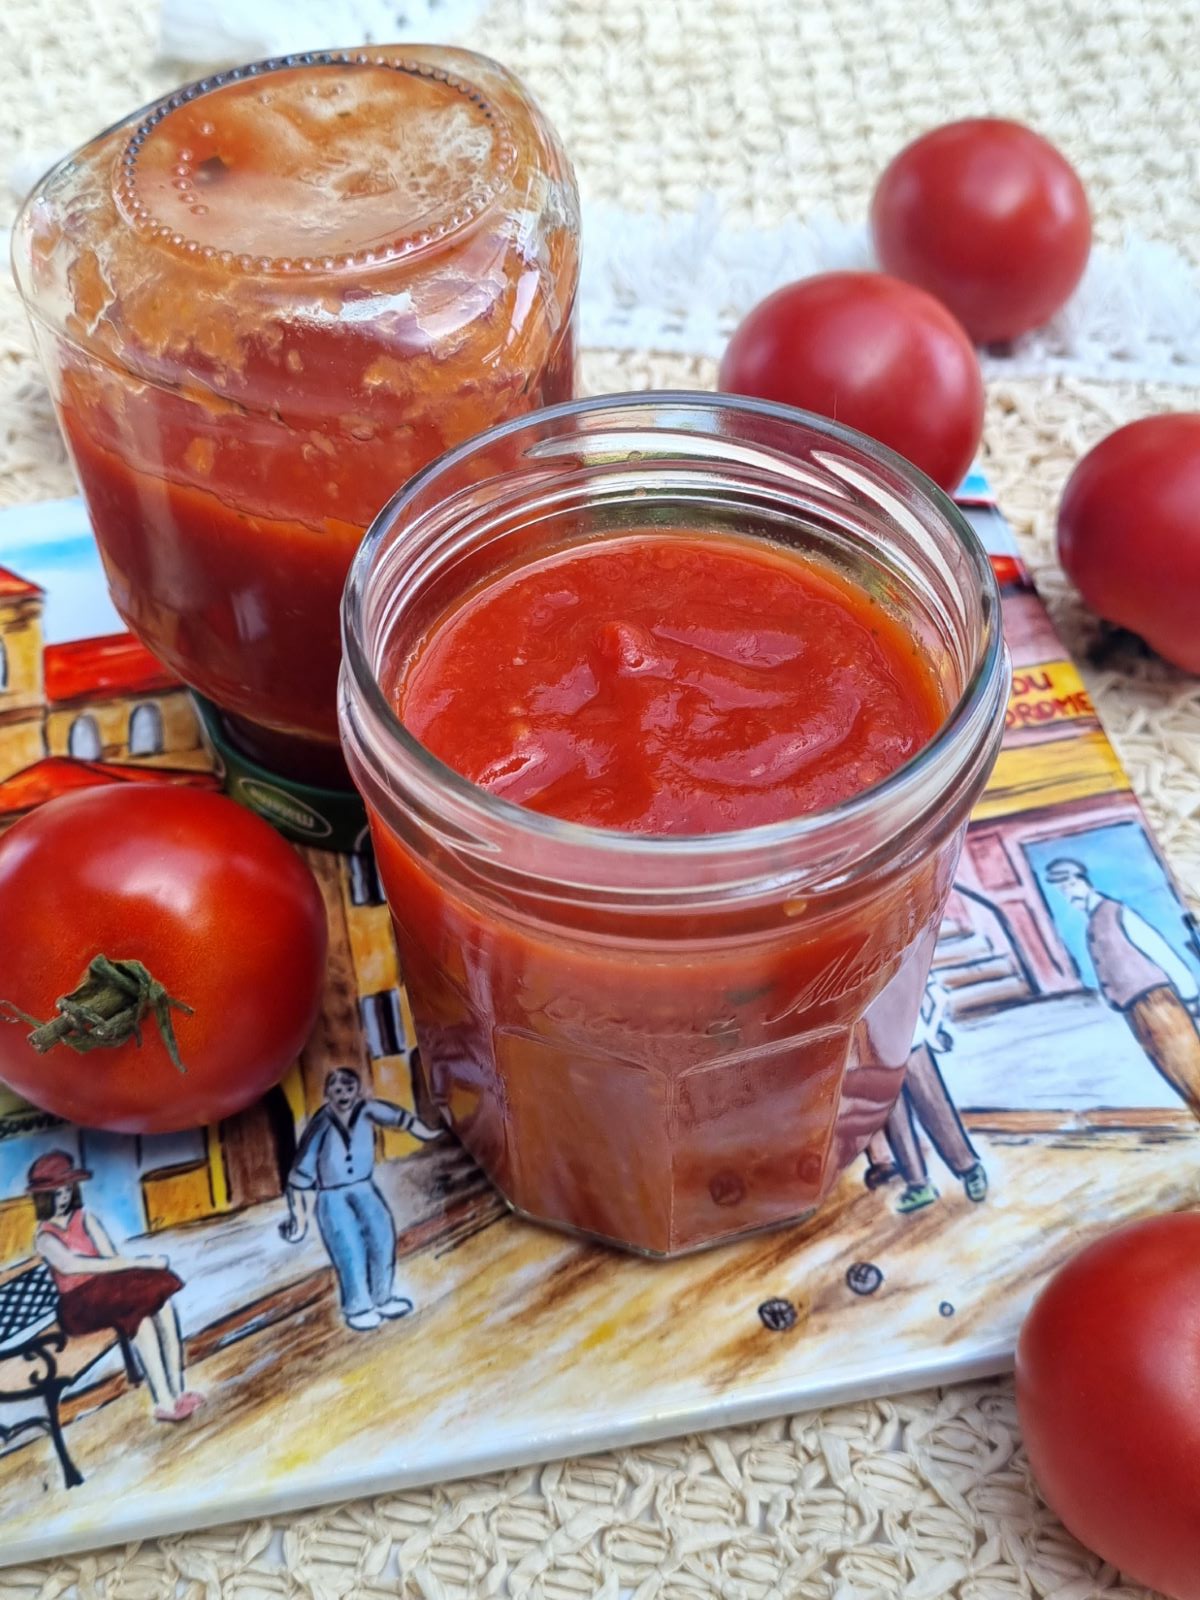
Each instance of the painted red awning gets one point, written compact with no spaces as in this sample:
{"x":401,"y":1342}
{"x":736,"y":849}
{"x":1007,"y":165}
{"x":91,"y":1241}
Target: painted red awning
{"x":99,"y":669}
{"x":56,"y":775}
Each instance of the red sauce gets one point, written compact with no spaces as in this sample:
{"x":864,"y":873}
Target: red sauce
{"x":276,"y":300}
{"x":226,"y":547}
{"x":671,"y":685}
{"x":665,"y":1078}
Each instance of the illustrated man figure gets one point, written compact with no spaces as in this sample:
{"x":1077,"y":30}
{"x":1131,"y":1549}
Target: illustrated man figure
{"x":925,"y":1100}
{"x":333,"y":1174}
{"x":1140,"y":976}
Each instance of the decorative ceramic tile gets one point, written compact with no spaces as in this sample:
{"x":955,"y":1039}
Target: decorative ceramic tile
{"x":1048,"y":1094}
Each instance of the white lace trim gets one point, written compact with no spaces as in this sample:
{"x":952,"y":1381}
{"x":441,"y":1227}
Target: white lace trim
{"x":203,"y":32}
{"x":681,"y":283}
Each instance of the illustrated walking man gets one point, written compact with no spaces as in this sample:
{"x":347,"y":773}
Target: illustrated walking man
{"x":897,"y":1150}
{"x":1140,"y":976}
{"x":333,"y":1175}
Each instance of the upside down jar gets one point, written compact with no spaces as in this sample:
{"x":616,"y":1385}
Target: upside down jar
{"x":663,"y":1000}
{"x":262,"y":303}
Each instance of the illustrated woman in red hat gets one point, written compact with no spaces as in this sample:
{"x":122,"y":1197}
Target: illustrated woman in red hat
{"x":99,"y":1289}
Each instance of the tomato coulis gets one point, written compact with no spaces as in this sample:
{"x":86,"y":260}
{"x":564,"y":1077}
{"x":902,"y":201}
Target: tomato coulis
{"x":657,"y":1076}
{"x":669,"y":684}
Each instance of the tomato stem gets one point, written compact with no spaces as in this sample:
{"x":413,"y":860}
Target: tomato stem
{"x":106,"y":1009}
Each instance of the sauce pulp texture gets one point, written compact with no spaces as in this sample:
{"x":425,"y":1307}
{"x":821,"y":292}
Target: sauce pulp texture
{"x":668,"y":684}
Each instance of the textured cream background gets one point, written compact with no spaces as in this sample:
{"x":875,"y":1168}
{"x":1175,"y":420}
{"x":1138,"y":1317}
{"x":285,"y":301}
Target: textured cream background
{"x":778,"y":109}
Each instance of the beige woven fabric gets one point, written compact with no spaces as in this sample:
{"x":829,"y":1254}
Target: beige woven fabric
{"x":779,"y":108}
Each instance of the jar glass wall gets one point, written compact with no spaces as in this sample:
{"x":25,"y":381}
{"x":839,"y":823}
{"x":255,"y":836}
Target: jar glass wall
{"x":664,"y":1042}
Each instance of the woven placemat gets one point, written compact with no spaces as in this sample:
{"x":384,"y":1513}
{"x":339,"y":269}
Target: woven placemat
{"x":777,"y":110}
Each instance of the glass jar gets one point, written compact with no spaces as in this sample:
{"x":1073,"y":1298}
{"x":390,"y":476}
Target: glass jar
{"x":664,"y":1042}
{"x":262,"y":303}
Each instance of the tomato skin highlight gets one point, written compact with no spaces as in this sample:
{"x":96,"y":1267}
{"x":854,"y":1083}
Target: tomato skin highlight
{"x":1129,"y":532}
{"x":989,"y":217}
{"x":1108,"y":1393}
{"x":219,"y":908}
{"x":870,"y":352}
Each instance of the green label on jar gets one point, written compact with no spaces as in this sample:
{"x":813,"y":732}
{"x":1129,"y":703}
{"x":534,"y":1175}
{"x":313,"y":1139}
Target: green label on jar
{"x":284,"y":809}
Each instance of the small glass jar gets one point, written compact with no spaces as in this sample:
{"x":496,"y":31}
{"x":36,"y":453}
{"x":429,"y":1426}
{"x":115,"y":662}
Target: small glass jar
{"x":262,"y":303}
{"x":665,"y":1042}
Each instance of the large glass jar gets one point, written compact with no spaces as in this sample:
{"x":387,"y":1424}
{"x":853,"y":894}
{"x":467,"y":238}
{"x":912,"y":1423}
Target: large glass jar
{"x":666,"y":1041}
{"x":264,"y":302}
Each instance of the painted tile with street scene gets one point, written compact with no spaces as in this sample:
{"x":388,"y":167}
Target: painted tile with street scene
{"x":323,"y":1298}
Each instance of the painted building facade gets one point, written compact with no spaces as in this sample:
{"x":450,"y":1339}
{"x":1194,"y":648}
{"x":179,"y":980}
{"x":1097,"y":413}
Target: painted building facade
{"x":22,"y":694}
{"x":109,"y":700}
{"x":1058,"y":787}
{"x":103,"y":699}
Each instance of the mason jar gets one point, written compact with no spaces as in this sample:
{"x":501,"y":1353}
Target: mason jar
{"x":261,"y":304}
{"x":663,"y":1042}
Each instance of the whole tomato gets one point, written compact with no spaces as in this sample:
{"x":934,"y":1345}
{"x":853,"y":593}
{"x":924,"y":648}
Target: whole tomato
{"x":163,"y":948}
{"x":873,"y":353}
{"x":990,"y":218}
{"x":1129,"y":532}
{"x":1108,"y":1391}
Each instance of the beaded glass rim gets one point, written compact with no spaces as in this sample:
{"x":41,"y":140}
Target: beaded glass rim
{"x":472,"y":205}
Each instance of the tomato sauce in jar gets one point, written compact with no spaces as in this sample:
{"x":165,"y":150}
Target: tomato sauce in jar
{"x":664,"y":686}
{"x":667,"y":806}
{"x":674,"y":684}
{"x":265,"y":302}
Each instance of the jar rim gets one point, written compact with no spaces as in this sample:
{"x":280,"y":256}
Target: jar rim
{"x":301,"y":276}
{"x":966,"y":726}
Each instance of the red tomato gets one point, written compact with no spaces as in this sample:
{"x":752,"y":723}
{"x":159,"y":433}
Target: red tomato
{"x":1129,"y":532}
{"x":1108,"y":1390}
{"x":873,"y":353}
{"x":220,"y":912}
{"x":990,"y":218}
